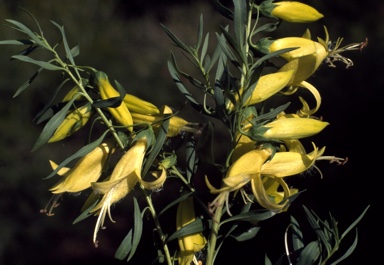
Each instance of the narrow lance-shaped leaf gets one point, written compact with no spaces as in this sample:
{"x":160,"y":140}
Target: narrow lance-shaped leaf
{"x":137,"y":228}
{"x":27,"y":83}
{"x":65,"y":42}
{"x":29,"y":32}
{"x":43,"y":64}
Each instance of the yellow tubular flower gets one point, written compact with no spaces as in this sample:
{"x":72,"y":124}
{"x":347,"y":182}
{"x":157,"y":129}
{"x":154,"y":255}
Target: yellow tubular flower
{"x":87,"y":170}
{"x":306,"y":65}
{"x":138,"y":105}
{"x":304,"y":47}
{"x":241,"y":171}
{"x":293,"y":127}
{"x":295,"y":12}
{"x":75,"y":120}
{"x":192,"y":243}
{"x":285,"y":164}
{"x":107,"y":91}
{"x":124,"y":177}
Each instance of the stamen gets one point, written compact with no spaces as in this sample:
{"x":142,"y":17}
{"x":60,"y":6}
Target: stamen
{"x":52,"y":203}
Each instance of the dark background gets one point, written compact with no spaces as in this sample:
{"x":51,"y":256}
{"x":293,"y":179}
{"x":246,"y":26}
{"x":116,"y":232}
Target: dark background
{"x":124,"y":39}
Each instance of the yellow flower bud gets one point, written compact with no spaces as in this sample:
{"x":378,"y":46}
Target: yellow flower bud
{"x":75,"y":120}
{"x":176,"y":123}
{"x":87,"y":170}
{"x":138,"y":105}
{"x":192,"y":243}
{"x":71,"y":93}
{"x":293,"y":127}
{"x":293,"y":11}
{"x":266,"y":86}
{"x":121,"y":113}
{"x":304,"y":47}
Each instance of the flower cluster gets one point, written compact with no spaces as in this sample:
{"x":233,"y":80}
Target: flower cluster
{"x":245,"y":81}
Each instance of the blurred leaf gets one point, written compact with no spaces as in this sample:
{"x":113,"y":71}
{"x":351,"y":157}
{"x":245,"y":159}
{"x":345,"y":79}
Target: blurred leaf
{"x":16,"y":42}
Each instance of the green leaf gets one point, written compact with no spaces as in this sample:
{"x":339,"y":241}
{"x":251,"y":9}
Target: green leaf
{"x":65,"y":42}
{"x":176,"y":78}
{"x":137,"y":228}
{"x":85,"y":214}
{"x":177,"y":41}
{"x":317,"y":229}
{"x":16,"y":42}
{"x":29,"y":32}
{"x":309,"y":254}
{"x":191,"y":159}
{"x":240,"y":20}
{"x":355,"y":222}
{"x":191,"y":228}
{"x":52,"y":125}
{"x":204,"y":50}
{"x":348,"y":252}
{"x":251,"y":216}
{"x":247,"y":235}
{"x":42,"y":64}
{"x":125,"y":246}
{"x":28,"y":83}
{"x":161,"y":136}
{"x":200,"y":32}
{"x":174,"y":202}
{"x":297,"y":235}
{"x":49,"y":103}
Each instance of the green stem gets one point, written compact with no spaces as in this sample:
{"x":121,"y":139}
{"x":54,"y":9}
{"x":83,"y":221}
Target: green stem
{"x":215,"y":228}
{"x":158,"y":226}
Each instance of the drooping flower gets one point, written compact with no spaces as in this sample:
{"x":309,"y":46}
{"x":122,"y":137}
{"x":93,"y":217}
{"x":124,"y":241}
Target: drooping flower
{"x":191,"y":243}
{"x":87,"y":170}
{"x":122,"y":180}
